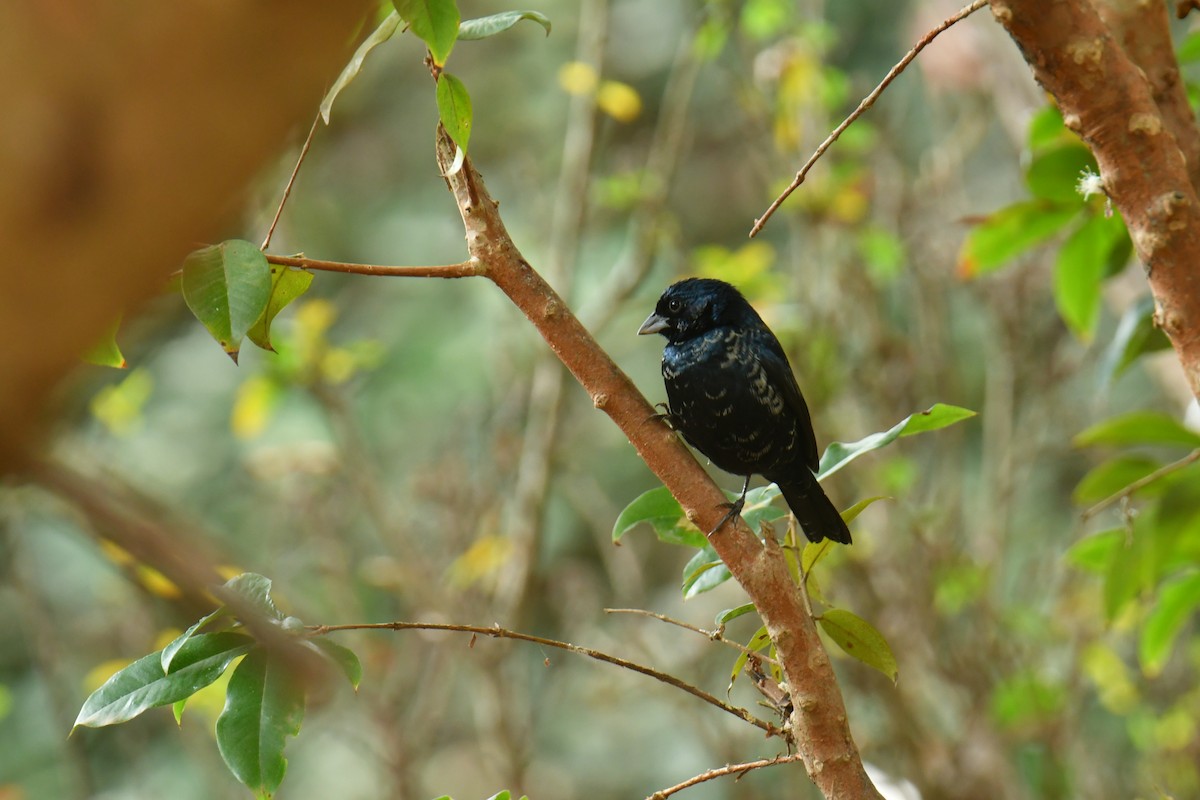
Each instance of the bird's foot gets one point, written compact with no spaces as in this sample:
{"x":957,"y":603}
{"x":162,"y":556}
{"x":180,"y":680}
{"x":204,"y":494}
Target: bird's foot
{"x":735,"y":508}
{"x":665,"y":415}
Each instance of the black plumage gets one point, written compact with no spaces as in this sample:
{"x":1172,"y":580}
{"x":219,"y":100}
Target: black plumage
{"x":732,"y":394}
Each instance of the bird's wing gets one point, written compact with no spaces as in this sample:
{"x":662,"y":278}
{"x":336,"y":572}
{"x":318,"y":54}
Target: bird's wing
{"x":779,"y":372}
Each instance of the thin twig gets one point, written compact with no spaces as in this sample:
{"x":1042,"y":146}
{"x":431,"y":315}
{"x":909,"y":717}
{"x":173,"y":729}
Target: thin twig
{"x":867,"y":102}
{"x":287,"y":190}
{"x":715,"y":636}
{"x":497,"y":632}
{"x":732,"y":769}
{"x":1140,"y":483}
{"x":466,"y":269}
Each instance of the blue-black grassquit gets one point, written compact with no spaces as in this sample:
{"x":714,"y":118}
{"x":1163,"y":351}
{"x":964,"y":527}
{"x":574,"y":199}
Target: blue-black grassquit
{"x":732,"y":394}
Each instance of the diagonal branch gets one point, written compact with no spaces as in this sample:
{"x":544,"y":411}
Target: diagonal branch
{"x":819,"y":722}
{"x":866,"y":103}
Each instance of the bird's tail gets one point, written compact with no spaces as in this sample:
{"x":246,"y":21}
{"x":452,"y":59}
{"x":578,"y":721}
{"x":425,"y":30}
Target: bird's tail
{"x":817,"y":515}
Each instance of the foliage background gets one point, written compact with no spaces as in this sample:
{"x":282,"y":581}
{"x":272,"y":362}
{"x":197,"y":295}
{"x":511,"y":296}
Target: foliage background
{"x":410,"y":453}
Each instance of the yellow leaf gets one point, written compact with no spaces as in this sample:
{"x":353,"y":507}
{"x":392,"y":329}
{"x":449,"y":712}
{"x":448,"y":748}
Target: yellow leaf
{"x":619,"y":100}
{"x":119,"y":406}
{"x":256,"y":399}
{"x":486,"y":555}
{"x":575,"y":77}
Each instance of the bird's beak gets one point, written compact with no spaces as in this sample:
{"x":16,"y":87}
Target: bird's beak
{"x":654,"y":323}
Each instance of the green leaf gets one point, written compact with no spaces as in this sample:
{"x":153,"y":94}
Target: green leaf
{"x":1133,"y":567}
{"x":227,"y":287}
{"x":1010,"y":232}
{"x":704,"y":571}
{"x":1136,"y":335}
{"x":287,"y":283}
{"x":860,"y":640}
{"x":1095,"y":553}
{"x":1054,"y":172}
{"x":106,"y":352}
{"x":662,"y":512}
{"x":144,"y":685}
{"x":759,"y":641}
{"x":264,"y":705}
{"x":1189,"y":48}
{"x":1025,"y":699}
{"x":730,"y":614}
{"x":1046,"y":128}
{"x":1138,"y":427}
{"x":851,"y":513}
{"x":940,"y":415}
{"x":343,"y":657}
{"x":454,"y":109}
{"x":484,"y":27}
{"x":758,"y":508}
{"x":1178,"y":600}
{"x":1079,"y":272}
{"x":1110,"y":477}
{"x":435,"y":22}
{"x":256,"y":591}
{"x":169,"y":652}
{"x":381,"y":34}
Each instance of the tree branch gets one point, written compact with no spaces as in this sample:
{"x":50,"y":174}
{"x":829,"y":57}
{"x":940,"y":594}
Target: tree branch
{"x":1141,"y":483}
{"x":866,"y":103}
{"x":720,"y":772}
{"x":819,"y":719}
{"x":466,"y":269}
{"x":496,"y":632}
{"x":1108,"y":101}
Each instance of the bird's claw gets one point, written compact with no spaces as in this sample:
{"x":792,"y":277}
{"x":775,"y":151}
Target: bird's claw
{"x":735,"y":508}
{"x":666,"y":416}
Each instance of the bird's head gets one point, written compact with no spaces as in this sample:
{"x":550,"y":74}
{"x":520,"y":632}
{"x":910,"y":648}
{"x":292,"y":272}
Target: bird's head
{"x":695,"y":306}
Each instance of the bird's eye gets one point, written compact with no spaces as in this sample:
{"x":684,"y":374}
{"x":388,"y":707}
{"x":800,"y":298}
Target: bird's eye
{"x":674,"y":305}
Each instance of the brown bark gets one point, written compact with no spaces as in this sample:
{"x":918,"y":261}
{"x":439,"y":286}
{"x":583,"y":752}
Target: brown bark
{"x":819,"y":722}
{"x":1111,"y":103}
{"x":129,"y":130}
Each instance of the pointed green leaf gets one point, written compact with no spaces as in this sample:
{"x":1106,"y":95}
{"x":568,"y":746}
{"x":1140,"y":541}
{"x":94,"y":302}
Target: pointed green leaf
{"x":758,"y":641}
{"x":839,"y":454}
{"x":287,"y":283}
{"x":169,"y":652}
{"x":1138,"y":427}
{"x":381,"y":34}
{"x":859,"y":639}
{"x":255,"y":590}
{"x":484,"y":27}
{"x":143,"y":684}
{"x":434,"y":21}
{"x":1010,"y":232}
{"x":704,"y":571}
{"x":1177,"y":602}
{"x":1136,"y":335}
{"x":264,"y":705}
{"x":1079,"y":273}
{"x":106,"y":352}
{"x":454,"y":109}
{"x":1095,"y":553}
{"x":730,"y":614}
{"x":661,"y":511}
{"x":227,"y":287}
{"x":343,"y":657}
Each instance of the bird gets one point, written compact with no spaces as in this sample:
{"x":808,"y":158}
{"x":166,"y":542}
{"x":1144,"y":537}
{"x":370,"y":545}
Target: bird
{"x":732,"y":394}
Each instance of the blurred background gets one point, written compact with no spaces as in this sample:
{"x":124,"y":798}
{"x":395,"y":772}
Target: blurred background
{"x":413,"y":451}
